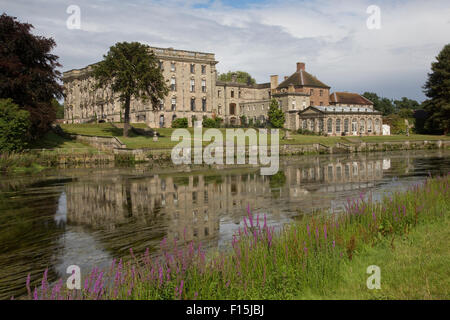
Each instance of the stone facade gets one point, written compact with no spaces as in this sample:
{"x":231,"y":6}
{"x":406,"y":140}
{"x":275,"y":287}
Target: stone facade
{"x":191,"y":78}
{"x":196,"y":93}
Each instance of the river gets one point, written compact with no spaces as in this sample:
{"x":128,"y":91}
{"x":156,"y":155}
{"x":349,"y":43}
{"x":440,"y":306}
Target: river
{"x":88,"y":216}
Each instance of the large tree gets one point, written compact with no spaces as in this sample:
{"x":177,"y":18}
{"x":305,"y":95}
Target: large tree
{"x":437,"y":89}
{"x":28,"y":72}
{"x":131,"y":70}
{"x":241,"y":77}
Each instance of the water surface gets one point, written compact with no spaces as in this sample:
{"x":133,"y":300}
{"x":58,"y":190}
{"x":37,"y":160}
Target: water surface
{"x":87,"y":217}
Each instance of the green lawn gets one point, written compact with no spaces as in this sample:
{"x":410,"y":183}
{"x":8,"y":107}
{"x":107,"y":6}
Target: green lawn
{"x":55,"y":142}
{"x":164,"y":141}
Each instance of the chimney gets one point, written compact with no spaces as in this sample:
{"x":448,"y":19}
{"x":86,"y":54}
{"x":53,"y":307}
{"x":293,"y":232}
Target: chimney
{"x":291,"y":88}
{"x":300,"y":66}
{"x":273,"y":82}
{"x":234,"y":77}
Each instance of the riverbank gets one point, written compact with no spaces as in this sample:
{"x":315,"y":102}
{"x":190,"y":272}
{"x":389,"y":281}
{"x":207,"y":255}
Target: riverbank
{"x":321,"y":256}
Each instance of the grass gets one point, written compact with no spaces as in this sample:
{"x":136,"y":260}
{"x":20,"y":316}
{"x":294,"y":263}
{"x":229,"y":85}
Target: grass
{"x":164,"y":141}
{"x":321,"y":256}
{"x":53,"y":141}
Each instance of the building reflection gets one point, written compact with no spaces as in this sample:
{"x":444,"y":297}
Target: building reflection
{"x":191,"y":206}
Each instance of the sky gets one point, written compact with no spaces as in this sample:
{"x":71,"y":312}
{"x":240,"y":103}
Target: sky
{"x":262,"y":37}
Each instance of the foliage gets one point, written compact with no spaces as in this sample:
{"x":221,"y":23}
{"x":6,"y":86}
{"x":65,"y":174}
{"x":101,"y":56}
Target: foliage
{"x":406,"y":103}
{"x":211,"y":122}
{"x":276,"y":115}
{"x":383,"y":105}
{"x":180,"y":123}
{"x":307,"y":132}
{"x":14,"y":126}
{"x":28,"y":72}
{"x":131,"y":71}
{"x":397,"y":123}
{"x":59,"y":108}
{"x":437,"y":88}
{"x":241,"y":77}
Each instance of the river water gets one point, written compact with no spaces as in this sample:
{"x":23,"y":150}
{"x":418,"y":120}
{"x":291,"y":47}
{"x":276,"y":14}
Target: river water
{"x":88,"y":216}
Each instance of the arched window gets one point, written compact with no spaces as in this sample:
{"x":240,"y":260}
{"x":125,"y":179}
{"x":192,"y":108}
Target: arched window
{"x":354,"y":126}
{"x":377,"y":126}
{"x":320,"y":125}
{"x":362,"y":126}
{"x":338,"y":125}
{"x":312,"y":125}
{"x":346,"y":130}
{"x":304,"y":125}
{"x":330,"y":126}
{"x":369,"y":126}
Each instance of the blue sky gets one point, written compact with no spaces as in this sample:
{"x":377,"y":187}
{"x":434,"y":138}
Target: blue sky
{"x":262,"y":37}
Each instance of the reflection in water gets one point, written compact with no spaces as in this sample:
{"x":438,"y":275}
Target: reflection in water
{"x":88,"y":217}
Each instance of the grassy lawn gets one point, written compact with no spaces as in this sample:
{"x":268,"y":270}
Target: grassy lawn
{"x":164,"y":141}
{"x":53,"y":141}
{"x":413,"y":266}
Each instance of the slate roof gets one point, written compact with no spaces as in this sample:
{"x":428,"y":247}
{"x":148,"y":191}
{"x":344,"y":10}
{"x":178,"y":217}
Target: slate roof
{"x":302,"y":78}
{"x":333,"y":109}
{"x":348,"y":98}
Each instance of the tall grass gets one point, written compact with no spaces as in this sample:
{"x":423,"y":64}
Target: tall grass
{"x":301,"y":260}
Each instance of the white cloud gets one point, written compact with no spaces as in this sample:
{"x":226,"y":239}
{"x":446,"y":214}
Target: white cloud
{"x":263,"y":39}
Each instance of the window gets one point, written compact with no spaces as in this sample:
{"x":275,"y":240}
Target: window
{"x":192,"y":68}
{"x":218,"y":93}
{"x":172,"y":66}
{"x":354,"y":125}
{"x":312,"y":125}
{"x":203,"y":69}
{"x":320,"y":125}
{"x":321,"y":103}
{"x":161,"y":104}
{"x":192,"y":104}
{"x":203,"y":85}
{"x":362,"y":126}
{"x":338,"y":125}
{"x":174,"y":104}
{"x":219,"y":110}
{"x":239,"y":93}
{"x":232,"y":108}
{"x":232,"y":93}
{"x":161,"y":65}
{"x":204,"y":104}
{"x":173,"y":84}
{"x":304,"y":125}
{"x":311,"y":103}
{"x":192,"y":85}
{"x":311,"y":92}
{"x":369,"y":126}
{"x":321,"y":92}
{"x":330,"y":126}
{"x":377,"y":125}
{"x":346,"y":126}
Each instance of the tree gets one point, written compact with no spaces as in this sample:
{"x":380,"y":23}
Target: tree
{"x":28,"y":72}
{"x":437,"y":88}
{"x":59,"y":109}
{"x":276,"y":115}
{"x":383,"y":105}
{"x":14,"y":126}
{"x":406,"y":103}
{"x":241,"y":77}
{"x":131,"y":70}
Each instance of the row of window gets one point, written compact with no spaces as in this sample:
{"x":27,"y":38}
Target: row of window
{"x":173,"y":106}
{"x":192,"y":67}
{"x":173,"y":85}
{"x":362,"y":124}
{"x":311,"y":92}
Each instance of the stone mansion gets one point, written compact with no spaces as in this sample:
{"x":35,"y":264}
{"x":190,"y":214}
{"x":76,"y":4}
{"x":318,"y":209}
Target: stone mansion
{"x":195,"y":93}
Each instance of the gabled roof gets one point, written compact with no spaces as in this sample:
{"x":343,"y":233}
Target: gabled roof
{"x":302,"y":78}
{"x":348,"y":98}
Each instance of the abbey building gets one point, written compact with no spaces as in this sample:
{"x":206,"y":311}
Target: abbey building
{"x":195,"y":93}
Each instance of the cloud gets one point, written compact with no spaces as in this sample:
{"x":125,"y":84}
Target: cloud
{"x":263,"y":38}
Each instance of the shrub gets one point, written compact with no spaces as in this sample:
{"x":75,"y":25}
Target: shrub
{"x":14,"y":126}
{"x":211,"y":123}
{"x":180,"y":123}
